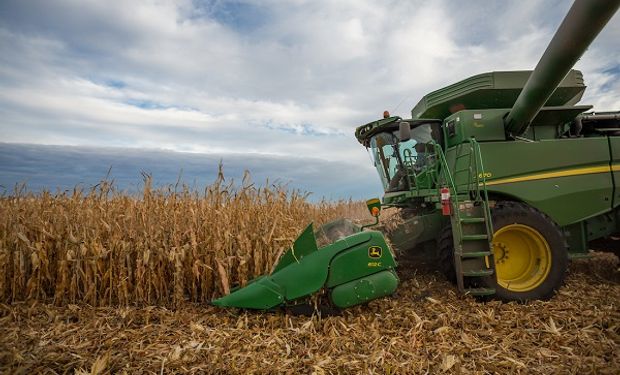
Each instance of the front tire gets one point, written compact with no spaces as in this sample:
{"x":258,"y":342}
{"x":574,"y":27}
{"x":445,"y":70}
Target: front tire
{"x":445,"y":254}
{"x":530,"y":253}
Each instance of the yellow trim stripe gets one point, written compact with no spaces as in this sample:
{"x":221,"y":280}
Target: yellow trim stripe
{"x":565,"y":173}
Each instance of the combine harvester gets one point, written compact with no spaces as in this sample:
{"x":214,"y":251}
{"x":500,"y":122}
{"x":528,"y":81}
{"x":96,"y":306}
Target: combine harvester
{"x":502,"y":173}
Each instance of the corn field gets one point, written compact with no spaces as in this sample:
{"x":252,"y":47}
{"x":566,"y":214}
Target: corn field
{"x":106,"y":248}
{"x":130,"y":275}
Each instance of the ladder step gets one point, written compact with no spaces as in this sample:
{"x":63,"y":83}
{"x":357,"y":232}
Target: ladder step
{"x":472,"y":220}
{"x":476,"y":254}
{"x":468,"y":169}
{"x":478,"y":273}
{"x":480,"y":291}
{"x":475,"y":237}
{"x":464,"y":155}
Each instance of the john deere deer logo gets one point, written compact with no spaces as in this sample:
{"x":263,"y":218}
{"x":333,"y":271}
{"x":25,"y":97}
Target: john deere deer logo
{"x":374,"y":252}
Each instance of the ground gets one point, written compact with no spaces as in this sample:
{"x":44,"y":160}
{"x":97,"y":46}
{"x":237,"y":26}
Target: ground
{"x":425,"y":328}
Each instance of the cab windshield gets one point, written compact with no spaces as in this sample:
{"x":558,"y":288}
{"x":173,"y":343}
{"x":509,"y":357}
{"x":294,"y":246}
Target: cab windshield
{"x":396,"y":161}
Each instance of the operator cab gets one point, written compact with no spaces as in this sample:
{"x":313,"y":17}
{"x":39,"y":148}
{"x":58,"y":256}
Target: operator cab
{"x":404,"y":158}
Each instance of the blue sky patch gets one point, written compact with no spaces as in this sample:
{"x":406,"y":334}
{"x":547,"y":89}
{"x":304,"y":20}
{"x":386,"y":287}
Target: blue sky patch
{"x":117,"y":84}
{"x":241,"y":16}
{"x":147,"y":104}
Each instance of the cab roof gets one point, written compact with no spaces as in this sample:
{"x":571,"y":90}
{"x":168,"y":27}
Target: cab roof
{"x":365,"y":132}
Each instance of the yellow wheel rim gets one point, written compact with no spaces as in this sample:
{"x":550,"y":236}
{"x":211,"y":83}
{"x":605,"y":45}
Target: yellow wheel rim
{"x":522,"y":257}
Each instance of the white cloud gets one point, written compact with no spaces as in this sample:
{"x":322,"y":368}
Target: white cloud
{"x":288,"y":79}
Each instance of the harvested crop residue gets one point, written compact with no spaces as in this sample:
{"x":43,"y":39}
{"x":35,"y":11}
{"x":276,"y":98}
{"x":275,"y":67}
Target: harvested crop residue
{"x":426,"y":327}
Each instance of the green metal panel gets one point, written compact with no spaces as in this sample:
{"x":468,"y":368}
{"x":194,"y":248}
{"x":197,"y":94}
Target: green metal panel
{"x":568,"y":179}
{"x":521,"y":159}
{"x":308,"y":273}
{"x":484,"y":125}
{"x":304,"y":245}
{"x":579,"y":234}
{"x":554,"y":116}
{"x":601,"y":226}
{"x":576,"y":238}
{"x":299,"y":278}
{"x":363,"y":132}
{"x":488,"y":124}
{"x":543,"y":132}
{"x":492,"y":90}
{"x":361,"y":260}
{"x":261,"y":293}
{"x":362,"y":290}
{"x":416,"y":230}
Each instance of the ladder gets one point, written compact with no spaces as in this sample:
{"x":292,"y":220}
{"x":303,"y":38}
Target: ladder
{"x":472,"y":229}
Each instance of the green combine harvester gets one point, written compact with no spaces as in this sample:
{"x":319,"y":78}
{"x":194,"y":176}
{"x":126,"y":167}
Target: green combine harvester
{"x":502,"y":173}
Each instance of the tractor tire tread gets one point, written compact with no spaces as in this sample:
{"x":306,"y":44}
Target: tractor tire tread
{"x":508,"y":211}
{"x":445,"y":254}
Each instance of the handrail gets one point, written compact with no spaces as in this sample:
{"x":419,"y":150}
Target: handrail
{"x":444,"y":163}
{"x":487,"y":209}
{"x":479,"y":180}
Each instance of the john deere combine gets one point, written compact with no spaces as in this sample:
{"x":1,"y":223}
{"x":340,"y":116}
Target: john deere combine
{"x":503,"y":173}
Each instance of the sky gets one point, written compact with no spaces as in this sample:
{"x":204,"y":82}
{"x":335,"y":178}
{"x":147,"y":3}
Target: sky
{"x":276,"y":87}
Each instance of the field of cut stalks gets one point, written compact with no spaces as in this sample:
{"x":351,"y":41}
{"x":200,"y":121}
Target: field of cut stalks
{"x":103,"y":282}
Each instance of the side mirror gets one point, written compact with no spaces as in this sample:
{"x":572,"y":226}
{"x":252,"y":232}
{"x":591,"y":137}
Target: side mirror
{"x":404,"y":131}
{"x":374,"y":206}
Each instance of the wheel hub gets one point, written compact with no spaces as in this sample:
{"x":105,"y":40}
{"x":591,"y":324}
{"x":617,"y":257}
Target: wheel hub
{"x":500,"y":253}
{"x":522,"y":257}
